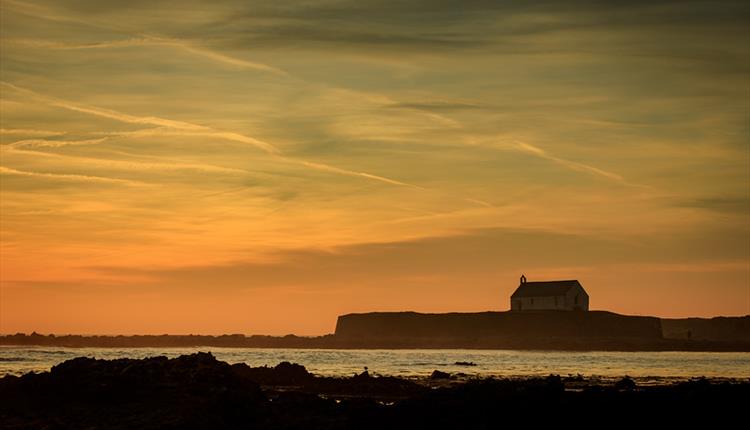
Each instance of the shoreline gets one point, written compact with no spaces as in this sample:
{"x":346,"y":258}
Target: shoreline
{"x":327,"y":343}
{"x":355,"y":348}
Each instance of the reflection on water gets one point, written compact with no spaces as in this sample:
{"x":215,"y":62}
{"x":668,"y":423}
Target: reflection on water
{"x":415,"y":363}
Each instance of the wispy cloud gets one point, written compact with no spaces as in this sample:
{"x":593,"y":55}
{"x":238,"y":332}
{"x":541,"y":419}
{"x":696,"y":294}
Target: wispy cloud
{"x":43,"y":143}
{"x":170,"y":131}
{"x":222,"y":58}
{"x":573,"y":165}
{"x":480,"y":202}
{"x":29,"y":132}
{"x":150,"y":120}
{"x":106,"y":113}
{"x":129,"y":165}
{"x":327,"y":168}
{"x":71,"y":177}
{"x":48,"y":44}
{"x":150,"y":41}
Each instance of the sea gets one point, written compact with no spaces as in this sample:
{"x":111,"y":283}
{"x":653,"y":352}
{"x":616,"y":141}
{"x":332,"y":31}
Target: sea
{"x":653,"y":367}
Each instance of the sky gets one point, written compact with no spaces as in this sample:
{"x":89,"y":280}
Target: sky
{"x":262,"y":167}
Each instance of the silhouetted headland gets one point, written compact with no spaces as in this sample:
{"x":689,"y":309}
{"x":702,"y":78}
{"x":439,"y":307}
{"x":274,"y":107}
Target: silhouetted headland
{"x":199,"y":392}
{"x":547,"y":330}
{"x":532,"y":328}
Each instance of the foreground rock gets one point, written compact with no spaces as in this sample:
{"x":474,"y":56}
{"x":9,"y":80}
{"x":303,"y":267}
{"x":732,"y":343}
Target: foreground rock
{"x":199,"y":392}
{"x":190,"y":391}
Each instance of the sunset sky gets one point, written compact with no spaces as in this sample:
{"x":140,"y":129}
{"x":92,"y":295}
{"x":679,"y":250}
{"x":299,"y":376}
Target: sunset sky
{"x":262,"y":167}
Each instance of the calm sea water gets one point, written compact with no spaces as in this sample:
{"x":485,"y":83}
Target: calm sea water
{"x":420,"y":363}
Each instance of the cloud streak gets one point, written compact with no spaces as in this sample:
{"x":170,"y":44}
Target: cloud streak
{"x":29,"y":132}
{"x":131,"y":165}
{"x":71,"y":177}
{"x":573,"y":165}
{"x":148,"y":120}
{"x":42,"y":143}
{"x":150,"y":41}
{"x":331,"y":169}
{"x":177,"y":132}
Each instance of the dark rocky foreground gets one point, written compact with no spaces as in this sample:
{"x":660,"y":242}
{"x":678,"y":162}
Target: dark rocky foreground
{"x":199,"y":392}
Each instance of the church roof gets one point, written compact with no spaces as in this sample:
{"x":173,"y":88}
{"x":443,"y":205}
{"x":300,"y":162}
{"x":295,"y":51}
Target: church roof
{"x":545,"y":288}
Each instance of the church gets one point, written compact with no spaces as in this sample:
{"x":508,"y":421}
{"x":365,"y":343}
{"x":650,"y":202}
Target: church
{"x":549,"y":295}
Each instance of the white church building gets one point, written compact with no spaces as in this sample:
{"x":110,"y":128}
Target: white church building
{"x":549,"y":295}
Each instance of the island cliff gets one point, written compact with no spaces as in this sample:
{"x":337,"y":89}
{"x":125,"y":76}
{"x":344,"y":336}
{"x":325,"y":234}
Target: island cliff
{"x":498,"y":329}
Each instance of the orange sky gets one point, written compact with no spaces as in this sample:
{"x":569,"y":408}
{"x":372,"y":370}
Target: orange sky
{"x":263,"y":168}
